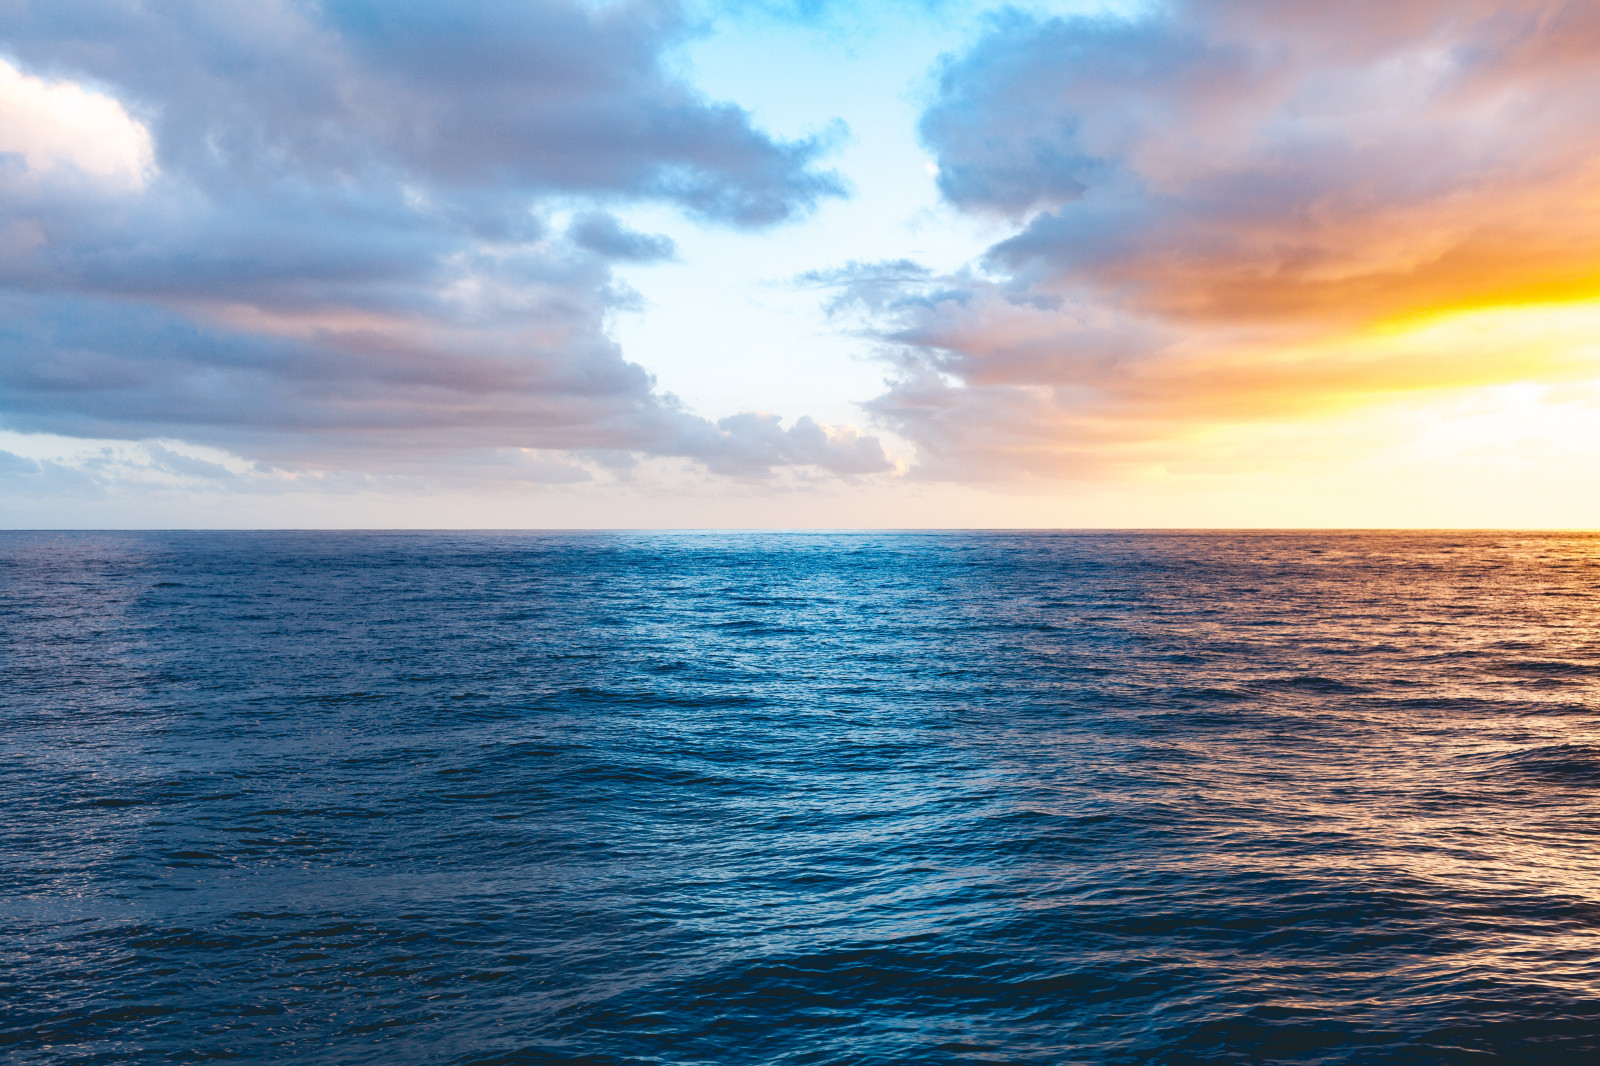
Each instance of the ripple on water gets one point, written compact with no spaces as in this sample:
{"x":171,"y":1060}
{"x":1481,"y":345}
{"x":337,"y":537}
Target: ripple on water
{"x":800,"y":798}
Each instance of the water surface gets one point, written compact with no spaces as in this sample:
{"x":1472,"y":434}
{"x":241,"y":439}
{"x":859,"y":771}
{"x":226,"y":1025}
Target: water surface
{"x":796,"y":799}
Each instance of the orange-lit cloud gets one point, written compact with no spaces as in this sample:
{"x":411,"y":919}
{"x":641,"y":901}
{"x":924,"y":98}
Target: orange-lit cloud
{"x":1232,"y":213}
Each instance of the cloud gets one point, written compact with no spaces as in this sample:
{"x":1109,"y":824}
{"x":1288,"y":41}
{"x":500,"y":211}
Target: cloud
{"x":23,"y":478}
{"x":16,"y":466}
{"x":187,"y":466}
{"x":48,"y":126}
{"x":754,"y":442}
{"x":339,"y":252}
{"x":1228,"y":211}
{"x":602,"y":234}
{"x":1223,"y":160}
{"x":507,"y":97}
{"x":531,"y":369}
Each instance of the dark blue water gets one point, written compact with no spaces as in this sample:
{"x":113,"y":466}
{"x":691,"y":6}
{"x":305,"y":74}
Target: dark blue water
{"x":771,"y":798}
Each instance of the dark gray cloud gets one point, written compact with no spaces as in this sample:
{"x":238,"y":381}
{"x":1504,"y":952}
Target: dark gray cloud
{"x":344,"y":253}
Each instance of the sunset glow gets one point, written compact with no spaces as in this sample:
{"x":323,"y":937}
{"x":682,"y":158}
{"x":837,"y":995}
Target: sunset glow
{"x":800,"y":533}
{"x":921,"y":264}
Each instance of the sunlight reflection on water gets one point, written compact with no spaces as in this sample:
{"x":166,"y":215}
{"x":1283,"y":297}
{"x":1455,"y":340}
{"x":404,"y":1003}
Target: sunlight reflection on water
{"x":800,"y":797}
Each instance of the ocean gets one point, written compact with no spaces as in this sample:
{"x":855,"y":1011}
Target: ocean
{"x":800,"y":798}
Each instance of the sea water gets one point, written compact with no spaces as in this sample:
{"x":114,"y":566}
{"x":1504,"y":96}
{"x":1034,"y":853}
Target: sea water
{"x":862,"y":798}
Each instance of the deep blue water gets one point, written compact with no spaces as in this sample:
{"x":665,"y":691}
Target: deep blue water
{"x":810,"y":798}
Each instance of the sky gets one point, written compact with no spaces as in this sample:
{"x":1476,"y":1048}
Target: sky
{"x":798,"y":263}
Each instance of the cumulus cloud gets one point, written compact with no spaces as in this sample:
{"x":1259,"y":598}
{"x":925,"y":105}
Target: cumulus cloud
{"x":1220,"y":207}
{"x":339,"y":249}
{"x":493,"y":96}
